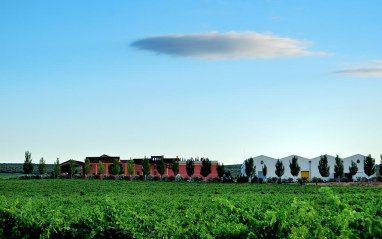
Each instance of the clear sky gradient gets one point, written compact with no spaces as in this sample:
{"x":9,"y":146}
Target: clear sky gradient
{"x":86,"y":78}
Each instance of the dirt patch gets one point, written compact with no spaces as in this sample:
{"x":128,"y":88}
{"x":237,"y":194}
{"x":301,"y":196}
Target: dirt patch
{"x":370,"y":184}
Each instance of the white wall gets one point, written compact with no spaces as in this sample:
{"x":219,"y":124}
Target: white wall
{"x":306,"y":164}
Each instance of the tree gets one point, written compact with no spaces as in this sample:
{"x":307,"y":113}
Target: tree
{"x":130,"y":165}
{"x":339,"y":167}
{"x":146,"y":167}
{"x":87,"y":166}
{"x":294,"y":167}
{"x":368,"y":165}
{"x":250,"y":168}
{"x":205,"y":169}
{"x":220,"y":170}
{"x":56,"y":170}
{"x":101,"y":168}
{"x":279,"y":168}
{"x":71,"y":167}
{"x":160,"y":166}
{"x":265,"y":170}
{"x":353,"y":169}
{"x":190,"y":167}
{"x":116,"y":167}
{"x":42,"y":166}
{"x":323,"y":167}
{"x":175,"y":166}
{"x":28,"y":166}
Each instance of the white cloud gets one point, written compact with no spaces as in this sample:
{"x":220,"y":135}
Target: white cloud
{"x":369,"y":69}
{"x":230,"y":45}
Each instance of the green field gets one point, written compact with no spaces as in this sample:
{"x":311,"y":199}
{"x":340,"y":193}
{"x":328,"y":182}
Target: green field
{"x":9,"y":175}
{"x":56,"y":208}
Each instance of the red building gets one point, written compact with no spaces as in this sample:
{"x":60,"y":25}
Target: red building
{"x":107,"y":162}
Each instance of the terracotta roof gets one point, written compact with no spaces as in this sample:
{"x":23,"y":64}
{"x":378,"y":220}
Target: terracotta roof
{"x":75,"y":163}
{"x":103,"y":158}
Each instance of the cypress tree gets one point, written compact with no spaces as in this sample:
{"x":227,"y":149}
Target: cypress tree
{"x":250,"y":168}
{"x":42,"y":166}
{"x":175,"y":166}
{"x":28,"y":166}
{"x":339,"y":167}
{"x":353,"y":169}
{"x":205,"y":169}
{"x":265,"y":170}
{"x":56,"y":168}
{"x":130,"y":167}
{"x":368,"y":165}
{"x":190,"y":167}
{"x":116,"y":169}
{"x":146,"y":167}
{"x":323,"y":167}
{"x":220,"y":170}
{"x":294,"y":167}
{"x":101,"y":168}
{"x":160,"y":166}
{"x":279,"y":168}
{"x":71,"y":167}
{"x":87,"y":166}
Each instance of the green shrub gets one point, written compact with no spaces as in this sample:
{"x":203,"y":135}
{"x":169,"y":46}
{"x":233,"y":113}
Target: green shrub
{"x":210,"y":180}
{"x":344,"y":180}
{"x":195,"y":178}
{"x":179,"y":178}
{"x":77,"y":176}
{"x":165,"y":178}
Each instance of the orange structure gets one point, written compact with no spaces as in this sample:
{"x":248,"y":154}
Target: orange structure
{"x":107,"y":162}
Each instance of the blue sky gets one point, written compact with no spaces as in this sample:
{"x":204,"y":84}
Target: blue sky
{"x":219,"y":79}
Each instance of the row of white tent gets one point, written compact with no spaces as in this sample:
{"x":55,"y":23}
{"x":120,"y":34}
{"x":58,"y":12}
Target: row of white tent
{"x":309,"y":167}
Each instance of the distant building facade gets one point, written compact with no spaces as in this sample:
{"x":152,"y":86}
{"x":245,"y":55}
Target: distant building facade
{"x":309,"y":167}
{"x":107,"y":162}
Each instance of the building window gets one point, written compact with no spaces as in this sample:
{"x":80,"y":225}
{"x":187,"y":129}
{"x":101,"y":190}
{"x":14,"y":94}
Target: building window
{"x":155,"y":172}
{"x":358,"y":161}
{"x":262,"y":162}
{"x":137,"y":172}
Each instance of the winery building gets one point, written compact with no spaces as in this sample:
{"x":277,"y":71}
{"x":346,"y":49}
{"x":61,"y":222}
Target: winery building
{"x":309,"y":166}
{"x":107,"y":162}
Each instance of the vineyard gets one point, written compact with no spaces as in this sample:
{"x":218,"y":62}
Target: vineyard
{"x":127,"y":209}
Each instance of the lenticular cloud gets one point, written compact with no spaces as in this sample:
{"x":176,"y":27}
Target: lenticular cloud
{"x":230,"y":45}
